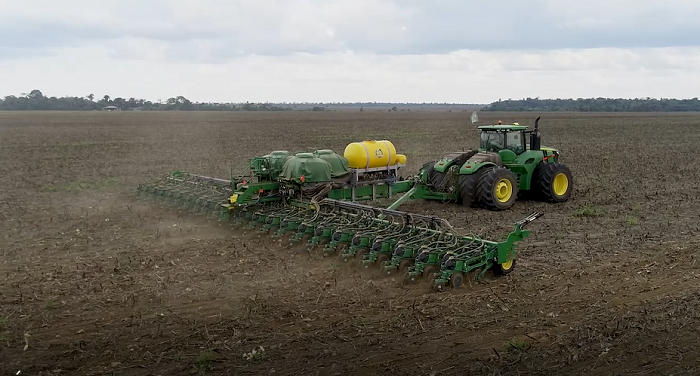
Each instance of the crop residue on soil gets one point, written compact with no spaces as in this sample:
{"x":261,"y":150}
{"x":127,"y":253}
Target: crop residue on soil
{"x":96,"y":282}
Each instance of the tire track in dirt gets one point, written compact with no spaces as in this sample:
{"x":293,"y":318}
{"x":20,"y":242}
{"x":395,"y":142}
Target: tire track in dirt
{"x":497,"y":325}
{"x":570,"y":291}
{"x":586,"y":305}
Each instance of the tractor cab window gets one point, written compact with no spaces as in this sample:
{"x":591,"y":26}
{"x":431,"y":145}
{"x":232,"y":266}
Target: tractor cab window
{"x":515,"y":142}
{"x":492,"y":141}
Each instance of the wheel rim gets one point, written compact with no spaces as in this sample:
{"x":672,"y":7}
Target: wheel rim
{"x":504,"y":189}
{"x":507,"y":265}
{"x":561,"y":184}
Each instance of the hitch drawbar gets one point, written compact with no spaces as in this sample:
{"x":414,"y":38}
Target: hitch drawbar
{"x":529,"y":219}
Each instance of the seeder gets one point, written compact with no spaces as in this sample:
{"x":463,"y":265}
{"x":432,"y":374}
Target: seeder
{"x":314,"y":199}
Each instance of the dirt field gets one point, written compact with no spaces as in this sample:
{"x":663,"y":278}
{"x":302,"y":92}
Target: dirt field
{"x":95,"y":282}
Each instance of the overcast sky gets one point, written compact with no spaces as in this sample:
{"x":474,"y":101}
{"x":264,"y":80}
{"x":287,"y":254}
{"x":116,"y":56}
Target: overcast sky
{"x":459,"y":51}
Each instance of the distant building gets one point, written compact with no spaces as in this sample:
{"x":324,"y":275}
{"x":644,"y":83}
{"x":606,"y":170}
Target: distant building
{"x":111,"y":108}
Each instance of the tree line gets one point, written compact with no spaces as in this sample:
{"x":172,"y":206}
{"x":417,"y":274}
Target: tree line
{"x":596,"y":105}
{"x":36,"y":100}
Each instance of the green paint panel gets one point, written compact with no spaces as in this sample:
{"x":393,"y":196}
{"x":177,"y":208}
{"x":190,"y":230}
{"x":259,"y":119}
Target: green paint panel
{"x":365,"y":192}
{"x":442,"y":165}
{"x":473,"y":166}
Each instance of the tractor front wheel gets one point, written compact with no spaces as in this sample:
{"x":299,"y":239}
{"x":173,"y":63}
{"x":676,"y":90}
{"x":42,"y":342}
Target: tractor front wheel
{"x":553,"y":182}
{"x":497,"y":188}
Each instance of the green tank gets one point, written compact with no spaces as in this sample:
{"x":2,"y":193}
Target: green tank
{"x":276,"y":159}
{"x":306,"y":168}
{"x":339,"y":164}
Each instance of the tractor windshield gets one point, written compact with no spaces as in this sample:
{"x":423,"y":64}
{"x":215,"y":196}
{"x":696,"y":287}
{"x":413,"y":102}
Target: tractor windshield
{"x":492,"y":140}
{"x":515,"y":142}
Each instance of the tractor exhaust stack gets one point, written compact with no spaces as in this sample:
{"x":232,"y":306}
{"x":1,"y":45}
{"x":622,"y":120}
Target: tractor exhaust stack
{"x":535,"y":137}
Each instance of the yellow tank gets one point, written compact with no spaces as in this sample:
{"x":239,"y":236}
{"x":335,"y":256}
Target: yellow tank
{"x":372,"y":154}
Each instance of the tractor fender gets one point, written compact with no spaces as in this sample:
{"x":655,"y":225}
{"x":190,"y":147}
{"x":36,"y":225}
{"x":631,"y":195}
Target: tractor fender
{"x":550,"y":154}
{"x":442,"y":165}
{"x":471,"y":167}
{"x":457,"y":158}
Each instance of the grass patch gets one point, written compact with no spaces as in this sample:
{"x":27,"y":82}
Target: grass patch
{"x":516,"y":345}
{"x":204,"y":361}
{"x":588,"y":211}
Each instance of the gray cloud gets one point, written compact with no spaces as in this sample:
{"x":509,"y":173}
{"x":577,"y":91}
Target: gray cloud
{"x":540,"y":25}
{"x":464,"y":76}
{"x":220,"y":29}
{"x":16,"y":53}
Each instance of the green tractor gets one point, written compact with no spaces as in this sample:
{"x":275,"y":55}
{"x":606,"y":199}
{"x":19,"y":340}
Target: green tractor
{"x":503,"y":167}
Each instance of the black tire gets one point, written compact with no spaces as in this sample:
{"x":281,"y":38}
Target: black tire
{"x":382,"y":258}
{"x":432,"y":174}
{"x":503,"y":269}
{"x":467,"y":187}
{"x":360,"y":253}
{"x":553,"y":182}
{"x":430,"y":269}
{"x":456,"y":280}
{"x":437,"y":179}
{"x":429,"y":168}
{"x":491,"y":185}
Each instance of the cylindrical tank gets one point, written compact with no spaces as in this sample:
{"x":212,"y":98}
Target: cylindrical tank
{"x":400,"y":158}
{"x":372,"y":154}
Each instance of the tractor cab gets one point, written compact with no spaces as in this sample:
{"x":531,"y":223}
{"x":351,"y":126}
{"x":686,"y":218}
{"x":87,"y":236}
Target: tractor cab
{"x":496,"y":138}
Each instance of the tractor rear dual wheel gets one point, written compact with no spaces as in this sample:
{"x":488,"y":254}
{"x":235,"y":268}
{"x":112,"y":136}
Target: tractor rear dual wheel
{"x":436,"y":178}
{"x":553,"y":182}
{"x":497,"y":188}
{"x":467,"y":188}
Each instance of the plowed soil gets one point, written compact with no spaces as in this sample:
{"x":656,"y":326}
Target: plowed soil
{"x":96,"y":282}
